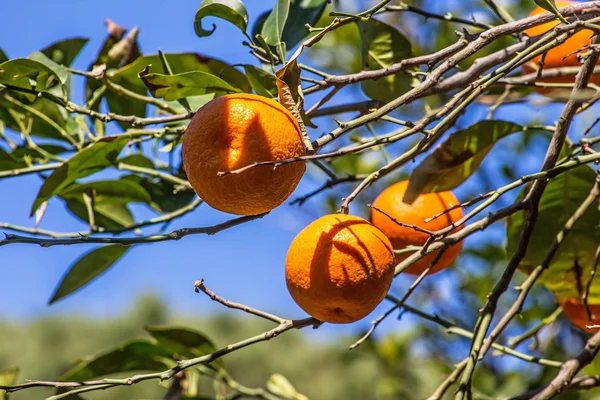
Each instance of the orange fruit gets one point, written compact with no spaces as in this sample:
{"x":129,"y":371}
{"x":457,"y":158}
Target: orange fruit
{"x":339,"y":268}
{"x":234,"y":131}
{"x":425,"y":206}
{"x":559,"y":56}
{"x":575,"y":312}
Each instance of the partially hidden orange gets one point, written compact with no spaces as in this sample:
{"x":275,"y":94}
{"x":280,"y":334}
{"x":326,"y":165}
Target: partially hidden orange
{"x":425,"y":206}
{"x":564,"y":55}
{"x":234,"y":131}
{"x":575,"y":312}
{"x":339,"y":268}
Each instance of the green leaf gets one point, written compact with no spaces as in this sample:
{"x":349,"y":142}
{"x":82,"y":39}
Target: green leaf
{"x":173,"y":87}
{"x":65,"y":51}
{"x":232,"y":11}
{"x":17,"y":158}
{"x":263,"y":83}
{"x":22,"y":152}
{"x":281,"y":386}
{"x":381,"y":46}
{"x":87,"y":268}
{"x":44,"y":117}
{"x":301,"y":12}
{"x":137,"y":160}
{"x":92,"y":159}
{"x":179,"y":63}
{"x":8,"y":377}
{"x":183,"y":342}
{"x":570,"y":268}
{"x":164,"y":197}
{"x":8,"y":161}
{"x":118,"y":191}
{"x":16,"y":72}
{"x":136,"y":355}
{"x":108,"y":214}
{"x":195,"y":103}
{"x":3,"y":56}
{"x":53,"y":69}
{"x":110,"y":201}
{"x":457,"y":158}
{"x":272,"y":30}
{"x":550,"y":5}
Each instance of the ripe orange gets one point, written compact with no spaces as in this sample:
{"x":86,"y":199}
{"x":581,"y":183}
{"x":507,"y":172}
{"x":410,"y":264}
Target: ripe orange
{"x":339,"y":268}
{"x":559,"y":56}
{"x":234,"y":131}
{"x":575,"y":312}
{"x":425,"y":206}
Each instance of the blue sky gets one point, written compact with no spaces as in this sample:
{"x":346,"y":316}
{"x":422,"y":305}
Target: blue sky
{"x":244,"y":264}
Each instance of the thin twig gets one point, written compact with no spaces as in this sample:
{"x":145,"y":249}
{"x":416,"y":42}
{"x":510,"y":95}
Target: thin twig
{"x":411,"y":226}
{"x":517,"y":340}
{"x":175,"y":235}
{"x":167,"y":217}
{"x":200,"y":287}
{"x":569,"y":369}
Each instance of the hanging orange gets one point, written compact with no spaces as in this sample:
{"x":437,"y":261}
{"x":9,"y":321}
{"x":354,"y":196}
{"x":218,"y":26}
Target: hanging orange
{"x":234,"y":131}
{"x":564,"y":55}
{"x":339,"y":268}
{"x":425,"y":206}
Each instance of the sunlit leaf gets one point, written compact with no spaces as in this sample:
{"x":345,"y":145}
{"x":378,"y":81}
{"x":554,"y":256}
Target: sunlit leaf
{"x":179,"y":63}
{"x":272,"y":30}
{"x":550,"y":5}
{"x":263,"y":83}
{"x":92,"y":159}
{"x":138,"y":160}
{"x":183,"y":342}
{"x":17,"y":158}
{"x":42,"y":117}
{"x":13,"y":72}
{"x":87,"y":268}
{"x":163,"y":194}
{"x":232,"y":11}
{"x":3,"y":56}
{"x":65,"y":51}
{"x":136,"y":355}
{"x":301,"y":13}
{"x":108,"y":214}
{"x":381,"y":46}
{"x":8,"y":162}
{"x":281,"y":386}
{"x":457,"y":158}
{"x":121,"y":191}
{"x":173,"y":87}
{"x":8,"y":377}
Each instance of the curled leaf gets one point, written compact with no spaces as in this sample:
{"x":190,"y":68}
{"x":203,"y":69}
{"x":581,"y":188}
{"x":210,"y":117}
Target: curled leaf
{"x":232,"y":11}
